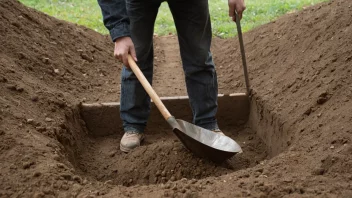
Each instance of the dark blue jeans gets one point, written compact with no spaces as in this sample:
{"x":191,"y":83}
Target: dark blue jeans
{"x":194,"y":34}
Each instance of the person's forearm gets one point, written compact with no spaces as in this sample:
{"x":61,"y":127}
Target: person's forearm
{"x":115,"y":17}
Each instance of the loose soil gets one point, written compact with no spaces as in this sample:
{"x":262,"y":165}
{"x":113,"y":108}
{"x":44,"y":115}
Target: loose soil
{"x":160,"y":159}
{"x":297,"y":142}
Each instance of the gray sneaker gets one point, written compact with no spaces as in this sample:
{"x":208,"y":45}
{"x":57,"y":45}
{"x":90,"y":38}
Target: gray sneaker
{"x":218,"y":131}
{"x":131,"y":140}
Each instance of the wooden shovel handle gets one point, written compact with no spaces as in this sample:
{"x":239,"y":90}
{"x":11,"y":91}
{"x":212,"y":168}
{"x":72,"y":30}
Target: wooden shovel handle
{"x":148,"y":88}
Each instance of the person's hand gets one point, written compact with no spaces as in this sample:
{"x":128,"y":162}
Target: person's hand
{"x":123,"y":47}
{"x":236,"y":6}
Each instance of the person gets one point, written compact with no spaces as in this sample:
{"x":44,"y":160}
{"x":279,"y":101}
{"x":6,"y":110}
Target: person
{"x":131,"y":27}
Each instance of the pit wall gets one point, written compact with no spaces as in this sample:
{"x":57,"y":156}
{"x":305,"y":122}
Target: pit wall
{"x":103,"y":119}
{"x":72,"y":134}
{"x":266,"y":123}
{"x":268,"y":126}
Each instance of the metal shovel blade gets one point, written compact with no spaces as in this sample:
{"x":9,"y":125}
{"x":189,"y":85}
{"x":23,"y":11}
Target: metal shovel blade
{"x":204,"y":143}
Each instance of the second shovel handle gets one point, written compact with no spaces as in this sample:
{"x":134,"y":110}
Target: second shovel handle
{"x":148,"y":88}
{"x":243,"y":54}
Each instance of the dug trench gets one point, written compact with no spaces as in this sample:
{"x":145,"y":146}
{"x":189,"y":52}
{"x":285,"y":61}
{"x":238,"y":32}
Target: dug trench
{"x":162,"y":158}
{"x":299,"y":125}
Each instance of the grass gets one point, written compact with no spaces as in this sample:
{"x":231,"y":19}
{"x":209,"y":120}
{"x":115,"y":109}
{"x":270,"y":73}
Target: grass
{"x":87,"y":13}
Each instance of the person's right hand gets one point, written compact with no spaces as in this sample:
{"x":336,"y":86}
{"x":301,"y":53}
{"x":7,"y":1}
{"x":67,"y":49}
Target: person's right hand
{"x":236,"y":6}
{"x":123,"y":47}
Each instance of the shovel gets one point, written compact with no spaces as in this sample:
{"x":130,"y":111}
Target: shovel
{"x":202,"y":142}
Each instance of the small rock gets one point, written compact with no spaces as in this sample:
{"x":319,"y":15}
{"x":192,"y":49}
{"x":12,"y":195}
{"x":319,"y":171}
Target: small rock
{"x":30,"y":121}
{"x":322,"y":100}
{"x":60,"y":103}
{"x":37,"y":174}
{"x":163,"y":173}
{"x":112,"y":154}
{"x":63,"y":126}
{"x":46,"y":60}
{"x":246,"y":175}
{"x":163,"y":180}
{"x":48,"y":191}
{"x":78,"y":179}
{"x":48,"y":119}
{"x":56,"y":71}
{"x":86,"y":57}
{"x":67,"y":176}
{"x":308,"y":112}
{"x":22,"y":55}
{"x":257,"y":174}
{"x":38,"y":195}
{"x":158,"y":173}
{"x":187,"y":186}
{"x":11,"y":87}
{"x":109,"y":182}
{"x":56,"y":157}
{"x":183,"y":179}
{"x":85,"y":181}
{"x":323,"y":97}
{"x":40,"y":129}
{"x":318,"y":171}
{"x":19,"y":89}
{"x":34,"y":98}
{"x":287,"y":180}
{"x":64,"y":187}
{"x":61,"y":165}
{"x":172,"y":178}
{"x":208,"y":182}
{"x":167,"y":186}
{"x":3,"y":80}
{"x":26,"y":165}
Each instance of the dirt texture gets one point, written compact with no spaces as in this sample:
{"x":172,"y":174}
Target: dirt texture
{"x":160,"y":159}
{"x":297,"y":142}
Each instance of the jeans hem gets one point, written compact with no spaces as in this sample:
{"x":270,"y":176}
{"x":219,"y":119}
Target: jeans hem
{"x":210,"y":126}
{"x":137,"y":129}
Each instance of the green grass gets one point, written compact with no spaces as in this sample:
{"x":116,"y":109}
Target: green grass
{"x":87,"y":13}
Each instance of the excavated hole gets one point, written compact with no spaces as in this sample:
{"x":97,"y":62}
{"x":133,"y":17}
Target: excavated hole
{"x":162,"y":157}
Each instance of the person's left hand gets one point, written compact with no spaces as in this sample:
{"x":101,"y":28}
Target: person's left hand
{"x":236,"y":6}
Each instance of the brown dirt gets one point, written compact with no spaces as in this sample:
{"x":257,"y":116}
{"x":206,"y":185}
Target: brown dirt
{"x":300,"y":70}
{"x":160,"y":159}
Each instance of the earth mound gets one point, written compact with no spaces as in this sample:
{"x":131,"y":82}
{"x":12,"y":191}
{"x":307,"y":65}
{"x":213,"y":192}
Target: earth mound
{"x":299,"y":139}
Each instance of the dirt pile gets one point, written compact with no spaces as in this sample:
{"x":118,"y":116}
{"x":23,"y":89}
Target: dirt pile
{"x":46,"y":66}
{"x":300,"y":70}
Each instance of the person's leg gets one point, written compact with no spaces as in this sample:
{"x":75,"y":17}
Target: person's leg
{"x":135,"y":102}
{"x":194,"y":33}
